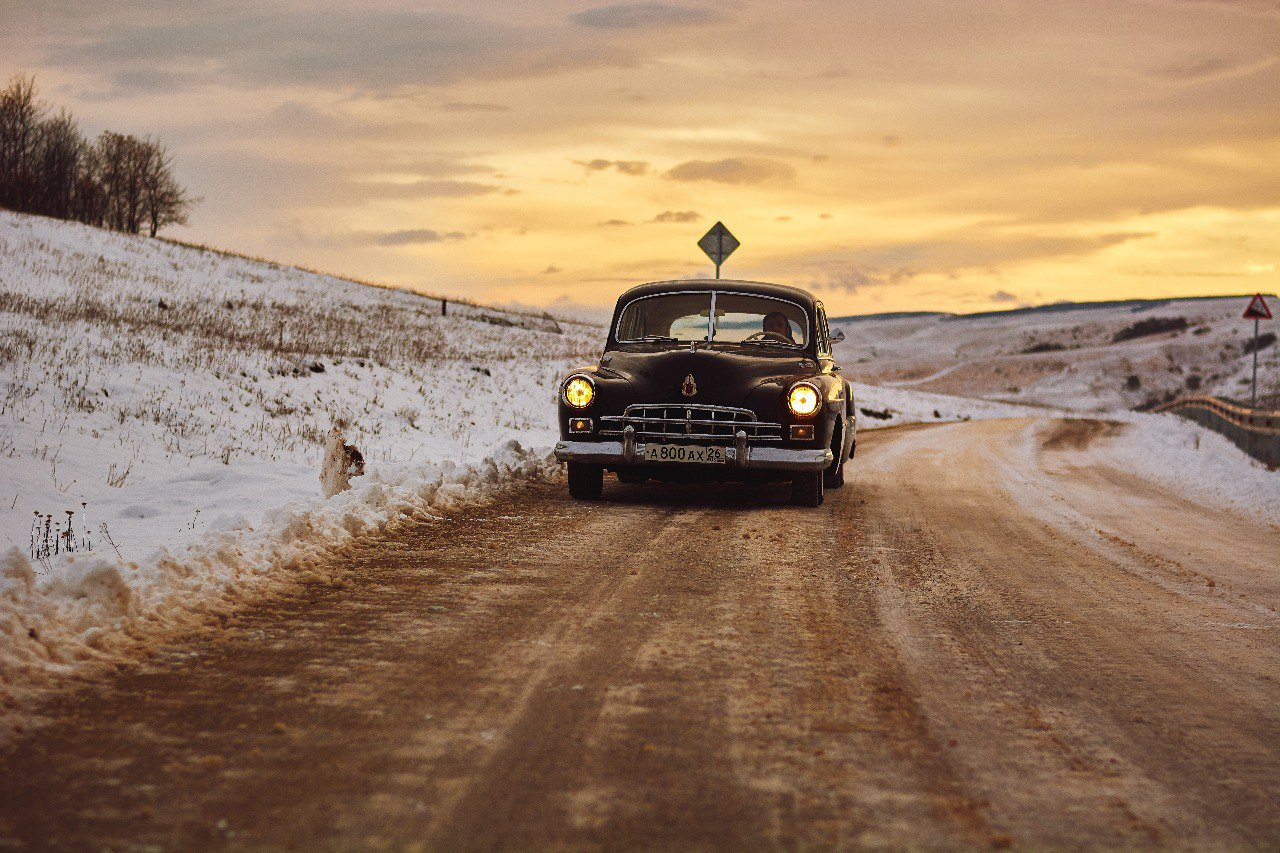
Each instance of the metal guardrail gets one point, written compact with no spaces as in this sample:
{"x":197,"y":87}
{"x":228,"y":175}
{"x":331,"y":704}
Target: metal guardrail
{"x":1254,"y":420}
{"x":1255,"y":431}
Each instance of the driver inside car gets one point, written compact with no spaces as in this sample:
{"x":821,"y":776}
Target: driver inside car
{"x":775,"y":323}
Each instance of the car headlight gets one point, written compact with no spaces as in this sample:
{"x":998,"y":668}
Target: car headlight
{"x":803,"y":399}
{"x":579,"y":391}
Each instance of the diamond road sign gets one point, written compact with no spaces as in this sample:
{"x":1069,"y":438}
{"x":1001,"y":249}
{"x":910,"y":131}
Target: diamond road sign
{"x":719,"y":244}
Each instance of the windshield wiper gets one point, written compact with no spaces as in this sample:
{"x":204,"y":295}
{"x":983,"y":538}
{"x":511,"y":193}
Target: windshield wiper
{"x":768,"y":342}
{"x":656,"y":339}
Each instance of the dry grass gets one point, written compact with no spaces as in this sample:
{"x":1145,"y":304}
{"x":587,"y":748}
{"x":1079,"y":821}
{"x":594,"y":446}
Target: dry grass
{"x":212,"y":355}
{"x":454,"y":302}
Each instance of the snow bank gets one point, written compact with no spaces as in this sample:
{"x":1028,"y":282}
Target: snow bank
{"x":98,"y":608}
{"x":881,"y":407}
{"x":171,"y":403}
{"x":1195,"y":462}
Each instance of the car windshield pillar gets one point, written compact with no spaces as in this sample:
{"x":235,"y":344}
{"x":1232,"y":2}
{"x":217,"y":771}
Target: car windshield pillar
{"x":711,"y":321}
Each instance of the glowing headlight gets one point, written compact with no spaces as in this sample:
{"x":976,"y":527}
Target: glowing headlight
{"x":803,"y":399}
{"x":579,"y":392}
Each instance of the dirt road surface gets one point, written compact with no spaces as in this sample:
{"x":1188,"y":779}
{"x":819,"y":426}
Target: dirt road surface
{"x":985,"y":639}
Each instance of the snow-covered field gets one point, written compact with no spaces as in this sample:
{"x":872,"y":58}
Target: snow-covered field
{"x":170,"y":403}
{"x":174,"y":401}
{"x":1189,"y":460}
{"x":1067,"y":357}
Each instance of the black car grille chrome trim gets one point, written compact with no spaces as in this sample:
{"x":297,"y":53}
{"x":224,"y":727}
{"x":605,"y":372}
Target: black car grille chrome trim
{"x":690,"y":422}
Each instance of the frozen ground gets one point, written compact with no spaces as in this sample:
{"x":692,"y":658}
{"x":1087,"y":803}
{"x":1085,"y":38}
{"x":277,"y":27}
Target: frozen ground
{"x":174,"y":400}
{"x":1067,"y":357}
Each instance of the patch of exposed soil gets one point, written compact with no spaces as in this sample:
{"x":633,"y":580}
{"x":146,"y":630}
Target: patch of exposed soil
{"x":1078,"y":434}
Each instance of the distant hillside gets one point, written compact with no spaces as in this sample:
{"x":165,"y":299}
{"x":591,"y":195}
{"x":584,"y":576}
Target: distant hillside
{"x":1135,"y":305}
{"x":1094,"y":356}
{"x":887,"y":315}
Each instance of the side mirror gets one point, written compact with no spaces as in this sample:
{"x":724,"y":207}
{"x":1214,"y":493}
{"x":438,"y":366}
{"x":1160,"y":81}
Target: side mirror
{"x":837,"y":337}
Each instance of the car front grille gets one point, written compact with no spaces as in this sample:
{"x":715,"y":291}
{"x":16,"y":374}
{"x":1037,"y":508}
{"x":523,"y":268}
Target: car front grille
{"x":673,"y":422}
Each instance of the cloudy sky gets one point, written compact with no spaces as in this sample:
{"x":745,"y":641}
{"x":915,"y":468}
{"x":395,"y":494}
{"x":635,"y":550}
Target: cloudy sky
{"x":890,"y":155}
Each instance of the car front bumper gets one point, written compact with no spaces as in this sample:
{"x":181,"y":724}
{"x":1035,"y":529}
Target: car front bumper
{"x":740,"y":456}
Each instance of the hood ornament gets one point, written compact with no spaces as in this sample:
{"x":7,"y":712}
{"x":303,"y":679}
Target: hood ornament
{"x":690,"y":387}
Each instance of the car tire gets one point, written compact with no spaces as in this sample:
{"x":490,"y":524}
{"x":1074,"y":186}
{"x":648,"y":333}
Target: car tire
{"x":586,"y":481}
{"x":833,"y":476}
{"x":806,"y":488}
{"x":632,"y":476}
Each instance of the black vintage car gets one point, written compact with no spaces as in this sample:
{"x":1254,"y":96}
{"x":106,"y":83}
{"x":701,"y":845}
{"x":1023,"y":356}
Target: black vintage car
{"x":711,"y":380}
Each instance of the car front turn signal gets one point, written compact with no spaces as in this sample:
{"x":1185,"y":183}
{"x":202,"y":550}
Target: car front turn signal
{"x":803,"y":399}
{"x":579,"y":392}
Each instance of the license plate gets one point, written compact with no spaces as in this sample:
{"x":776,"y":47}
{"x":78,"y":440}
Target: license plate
{"x":683,"y":453}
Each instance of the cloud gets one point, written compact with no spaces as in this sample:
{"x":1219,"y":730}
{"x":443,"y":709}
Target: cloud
{"x":410,"y":237}
{"x":626,"y":167}
{"x":1002,"y":296}
{"x":1204,"y":66}
{"x":972,"y":251}
{"x":437,"y":167}
{"x":469,"y":107}
{"x":429,"y":189}
{"x":551,"y":270}
{"x":735,"y":170}
{"x":677,"y":216}
{"x":388,"y":239}
{"x":635,"y":16}
{"x":368,"y":49}
{"x":1269,"y":8}
{"x":613,"y":223}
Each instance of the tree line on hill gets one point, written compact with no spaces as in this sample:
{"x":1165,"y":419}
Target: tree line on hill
{"x":116,"y":181}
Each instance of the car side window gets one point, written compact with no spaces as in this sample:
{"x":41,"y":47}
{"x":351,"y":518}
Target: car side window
{"x":824,"y":338}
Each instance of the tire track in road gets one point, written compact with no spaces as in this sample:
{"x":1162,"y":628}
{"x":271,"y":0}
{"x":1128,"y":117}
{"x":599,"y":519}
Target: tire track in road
{"x":620,"y":746}
{"x":1084,"y":698}
{"x":924,"y":661}
{"x":828,"y":712}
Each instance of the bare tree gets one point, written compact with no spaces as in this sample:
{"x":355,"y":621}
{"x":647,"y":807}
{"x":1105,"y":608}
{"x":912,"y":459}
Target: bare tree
{"x":118,"y":180}
{"x":164,"y":200}
{"x":89,"y":203}
{"x":20,"y":116}
{"x":109,"y":157}
{"x":123,"y":167}
{"x":58,"y":151}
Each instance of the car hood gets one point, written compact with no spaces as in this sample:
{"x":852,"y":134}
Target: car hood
{"x":721,"y":377}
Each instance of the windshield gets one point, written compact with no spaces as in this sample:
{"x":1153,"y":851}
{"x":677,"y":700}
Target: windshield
{"x":741,"y":318}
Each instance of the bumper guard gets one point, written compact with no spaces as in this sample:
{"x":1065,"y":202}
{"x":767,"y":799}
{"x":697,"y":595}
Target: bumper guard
{"x":740,"y":455}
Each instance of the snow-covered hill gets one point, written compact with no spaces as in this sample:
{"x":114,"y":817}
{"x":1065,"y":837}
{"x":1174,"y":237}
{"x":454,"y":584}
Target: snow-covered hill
{"x":1102,"y":357}
{"x":170,"y":402}
{"x":174,"y":401}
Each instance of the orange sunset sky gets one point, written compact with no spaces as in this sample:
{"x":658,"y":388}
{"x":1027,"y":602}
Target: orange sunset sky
{"x":887,"y":155}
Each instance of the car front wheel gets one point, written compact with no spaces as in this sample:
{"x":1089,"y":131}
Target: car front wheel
{"x":586,"y":481}
{"x":833,"y":477}
{"x":806,"y":488}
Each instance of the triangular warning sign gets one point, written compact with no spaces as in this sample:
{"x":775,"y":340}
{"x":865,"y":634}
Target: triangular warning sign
{"x":1257,"y":309}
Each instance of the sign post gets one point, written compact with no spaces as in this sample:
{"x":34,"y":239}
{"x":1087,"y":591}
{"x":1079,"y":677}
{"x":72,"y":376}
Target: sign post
{"x":719,"y":244}
{"x":1256,"y":311}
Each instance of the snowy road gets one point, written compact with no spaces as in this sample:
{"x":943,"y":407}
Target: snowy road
{"x":987,"y":638}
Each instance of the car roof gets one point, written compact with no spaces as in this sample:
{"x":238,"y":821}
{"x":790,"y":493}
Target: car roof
{"x":763,"y":288}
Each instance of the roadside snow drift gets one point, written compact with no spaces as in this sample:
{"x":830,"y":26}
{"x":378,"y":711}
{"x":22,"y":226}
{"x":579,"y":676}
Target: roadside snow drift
{"x":95,"y":607}
{"x":163,"y":411}
{"x":162,"y":416}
